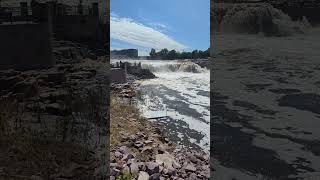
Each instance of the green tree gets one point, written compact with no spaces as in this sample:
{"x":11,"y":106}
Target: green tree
{"x":201,"y":54}
{"x":163,"y":53}
{"x":194,"y":54}
{"x":172,"y":54}
{"x":153,"y":53}
{"x":207,"y":53}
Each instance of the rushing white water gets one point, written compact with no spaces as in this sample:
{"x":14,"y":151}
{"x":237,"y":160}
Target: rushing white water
{"x":180,"y":91}
{"x":290,"y":62}
{"x":256,"y":18}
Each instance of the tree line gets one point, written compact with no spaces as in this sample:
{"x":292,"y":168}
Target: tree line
{"x":173,"y":54}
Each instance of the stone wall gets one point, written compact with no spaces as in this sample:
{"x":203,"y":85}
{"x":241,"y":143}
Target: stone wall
{"x":25,"y":46}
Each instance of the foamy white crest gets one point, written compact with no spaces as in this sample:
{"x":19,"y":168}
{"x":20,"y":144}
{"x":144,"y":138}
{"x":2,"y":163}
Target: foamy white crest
{"x":175,"y":67}
{"x":256,"y":18}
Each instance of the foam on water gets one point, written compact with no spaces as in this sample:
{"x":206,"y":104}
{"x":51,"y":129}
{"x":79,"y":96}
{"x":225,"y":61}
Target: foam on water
{"x":180,"y":91}
{"x":186,"y":81}
{"x":257,"y":18}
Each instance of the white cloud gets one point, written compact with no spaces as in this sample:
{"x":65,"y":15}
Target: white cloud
{"x":129,"y":31}
{"x":159,"y":27}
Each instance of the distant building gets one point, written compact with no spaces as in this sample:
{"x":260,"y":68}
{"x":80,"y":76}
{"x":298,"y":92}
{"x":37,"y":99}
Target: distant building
{"x":124,"y":53}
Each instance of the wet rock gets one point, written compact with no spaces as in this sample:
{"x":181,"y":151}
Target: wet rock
{"x":54,"y":94}
{"x":124,"y":150}
{"x":134,"y":168}
{"x":71,"y":170}
{"x":54,"y":76}
{"x":169,"y":171}
{"x":36,"y":177}
{"x":193,"y":159}
{"x":138,"y":144}
{"x":55,"y":109}
{"x":176,"y":165}
{"x":142,"y":166}
{"x":205,"y":173}
{"x":165,"y":171}
{"x":199,"y":156}
{"x":82,"y":75}
{"x":28,"y":87}
{"x":130,"y":161}
{"x":161,"y":149}
{"x":161,"y":168}
{"x":8,"y":82}
{"x":120,"y":164}
{"x":190,"y":167}
{"x":158,"y":130}
{"x":126,"y":170}
{"x":192,"y":176}
{"x":183,"y":174}
{"x":166,"y":159}
{"x":126,"y":157}
{"x":9,"y":73}
{"x":92,"y":56}
{"x":143,"y":73}
{"x":152,"y":167}
{"x":118,"y":154}
{"x":114,"y":172}
{"x":143,"y":176}
{"x":155,"y":176}
{"x":133,"y":137}
{"x":172,"y":171}
{"x":146,"y":149}
{"x":148,"y":141}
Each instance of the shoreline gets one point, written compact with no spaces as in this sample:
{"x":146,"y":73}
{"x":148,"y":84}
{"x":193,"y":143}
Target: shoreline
{"x":179,"y":124}
{"x":148,"y":151}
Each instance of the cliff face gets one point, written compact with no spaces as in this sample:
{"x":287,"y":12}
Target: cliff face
{"x":66,"y":104}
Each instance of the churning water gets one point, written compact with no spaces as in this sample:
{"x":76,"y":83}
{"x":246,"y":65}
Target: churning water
{"x":181,"y":93}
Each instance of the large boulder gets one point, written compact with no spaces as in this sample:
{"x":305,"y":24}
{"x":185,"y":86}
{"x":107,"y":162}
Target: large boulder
{"x":143,"y":176}
{"x":167,"y":160}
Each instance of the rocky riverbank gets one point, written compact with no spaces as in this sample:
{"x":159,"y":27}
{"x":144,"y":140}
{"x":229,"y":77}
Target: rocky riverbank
{"x":54,"y":121}
{"x":140,"y":150}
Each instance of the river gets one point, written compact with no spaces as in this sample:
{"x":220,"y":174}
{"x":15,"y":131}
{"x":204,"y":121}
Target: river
{"x":181,"y":92}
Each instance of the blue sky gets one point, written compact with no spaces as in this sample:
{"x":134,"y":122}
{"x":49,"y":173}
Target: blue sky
{"x":183,"y":25}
